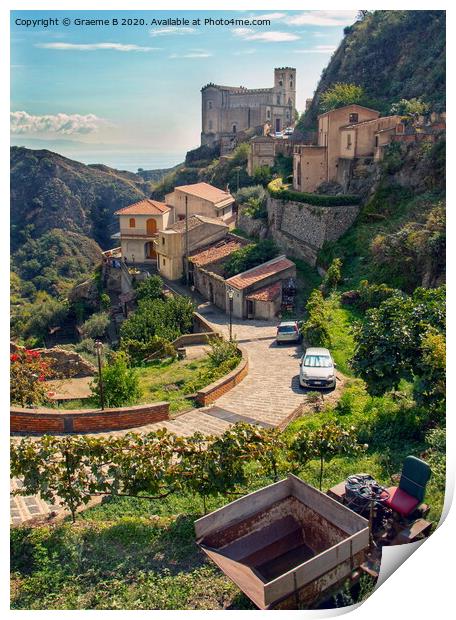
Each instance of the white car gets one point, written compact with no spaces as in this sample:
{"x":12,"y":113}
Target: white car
{"x":317,"y":369}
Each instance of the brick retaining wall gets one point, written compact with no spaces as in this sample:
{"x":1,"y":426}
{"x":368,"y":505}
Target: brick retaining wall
{"x":212,"y":392}
{"x":86,"y":420}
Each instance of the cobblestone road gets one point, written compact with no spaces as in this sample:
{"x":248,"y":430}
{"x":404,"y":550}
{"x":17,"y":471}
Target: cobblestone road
{"x":268,"y":396}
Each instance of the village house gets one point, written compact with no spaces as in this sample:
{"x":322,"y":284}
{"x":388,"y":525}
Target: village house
{"x":227,"y":110}
{"x":344,"y":133}
{"x":207,"y":268}
{"x":173,"y":243}
{"x":200,"y":199}
{"x":264,"y":150}
{"x":257,"y":292}
{"x":139,"y":225}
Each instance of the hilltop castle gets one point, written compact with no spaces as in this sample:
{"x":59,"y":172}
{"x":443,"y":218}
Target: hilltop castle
{"x":227,"y":110}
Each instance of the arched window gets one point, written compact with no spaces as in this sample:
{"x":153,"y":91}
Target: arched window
{"x":132,"y":222}
{"x":291,"y":83}
{"x":234,"y":128}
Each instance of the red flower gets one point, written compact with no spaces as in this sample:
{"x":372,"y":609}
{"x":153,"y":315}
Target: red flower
{"x":41,"y":378}
{"x":14,"y":357}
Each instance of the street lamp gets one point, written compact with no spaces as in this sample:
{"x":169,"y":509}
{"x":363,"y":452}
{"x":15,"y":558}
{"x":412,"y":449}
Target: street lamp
{"x":99,"y":348}
{"x":230,"y":298}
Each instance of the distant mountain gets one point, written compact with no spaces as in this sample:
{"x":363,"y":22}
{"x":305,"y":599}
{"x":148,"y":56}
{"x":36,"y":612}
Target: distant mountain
{"x":49,"y":191}
{"x":392,"y":55}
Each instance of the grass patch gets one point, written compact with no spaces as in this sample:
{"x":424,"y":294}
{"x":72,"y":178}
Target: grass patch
{"x":340,"y":331}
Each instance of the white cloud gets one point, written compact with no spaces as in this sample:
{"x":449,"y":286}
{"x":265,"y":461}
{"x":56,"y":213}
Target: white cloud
{"x":192,"y":54}
{"x":270,"y":16}
{"x":22,"y":122}
{"x":318,"y":49}
{"x":90,"y":47}
{"x":273,"y":36}
{"x":172,"y":30}
{"x":323,"y":18}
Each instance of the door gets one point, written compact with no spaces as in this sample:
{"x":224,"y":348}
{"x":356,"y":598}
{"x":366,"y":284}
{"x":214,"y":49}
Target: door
{"x":250,"y":309}
{"x":149,"y":250}
{"x":151,"y":226}
{"x":277,"y":125}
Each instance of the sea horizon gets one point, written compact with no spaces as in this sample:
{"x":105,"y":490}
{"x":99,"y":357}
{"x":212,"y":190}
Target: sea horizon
{"x":130,"y":161}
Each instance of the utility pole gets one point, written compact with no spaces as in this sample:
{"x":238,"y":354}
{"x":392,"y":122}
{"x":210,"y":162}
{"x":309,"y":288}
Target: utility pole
{"x":186,"y":241}
{"x":230,"y":301}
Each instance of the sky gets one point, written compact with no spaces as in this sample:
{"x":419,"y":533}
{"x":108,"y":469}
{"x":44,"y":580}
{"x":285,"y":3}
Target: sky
{"x":128,"y":95}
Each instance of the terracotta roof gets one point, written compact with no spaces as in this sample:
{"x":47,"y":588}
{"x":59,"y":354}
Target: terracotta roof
{"x":144,"y":207}
{"x":206,"y":191}
{"x":256,"y":274}
{"x":215,"y":252}
{"x":267,"y":293}
{"x":196,"y":220}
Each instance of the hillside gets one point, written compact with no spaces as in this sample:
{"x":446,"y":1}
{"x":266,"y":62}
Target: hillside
{"x":392,"y":55}
{"x":50,"y":191}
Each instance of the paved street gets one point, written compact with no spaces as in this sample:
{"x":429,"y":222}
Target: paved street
{"x":268,"y":396}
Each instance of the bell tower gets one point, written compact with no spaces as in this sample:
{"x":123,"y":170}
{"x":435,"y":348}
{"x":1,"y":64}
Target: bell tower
{"x":285,"y":86}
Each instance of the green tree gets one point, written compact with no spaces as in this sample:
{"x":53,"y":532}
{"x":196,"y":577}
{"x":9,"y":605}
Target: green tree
{"x":166,"y":319}
{"x":341,"y":94}
{"x":262,"y":174}
{"x":410,"y":107}
{"x":250,"y":256}
{"x":389,"y":342}
{"x":120,"y":382}
{"x":150,"y":288}
{"x":315,"y":328}
{"x":333,"y":276}
{"x":96,"y":326}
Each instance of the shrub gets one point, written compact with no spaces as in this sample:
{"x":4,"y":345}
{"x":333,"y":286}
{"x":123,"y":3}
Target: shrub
{"x":222,"y":350}
{"x":246,"y":193}
{"x":96,"y":326}
{"x":315,"y":329}
{"x":250,"y":256}
{"x":105,"y":301}
{"x":120,"y":382}
{"x":166,"y":319}
{"x":138,"y":350}
{"x":333,"y":276}
{"x":150,"y":288}
{"x":277,"y":190}
{"x":28,"y":373}
{"x":436,"y":456}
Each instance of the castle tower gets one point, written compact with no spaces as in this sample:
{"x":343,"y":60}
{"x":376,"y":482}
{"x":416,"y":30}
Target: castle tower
{"x":285,"y":86}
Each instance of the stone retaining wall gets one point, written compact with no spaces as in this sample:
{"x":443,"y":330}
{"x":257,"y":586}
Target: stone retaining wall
{"x":212,"y":392}
{"x":85,"y":420}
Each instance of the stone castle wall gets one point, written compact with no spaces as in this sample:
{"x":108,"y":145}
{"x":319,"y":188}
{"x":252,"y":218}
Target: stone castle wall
{"x":301,"y":229}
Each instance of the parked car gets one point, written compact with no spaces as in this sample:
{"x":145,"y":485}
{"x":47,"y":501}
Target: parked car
{"x":288,"y":331}
{"x":288,"y":131}
{"x":278,"y":134}
{"x":317,"y":369}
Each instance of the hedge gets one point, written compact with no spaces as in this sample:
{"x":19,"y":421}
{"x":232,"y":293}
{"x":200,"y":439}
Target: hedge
{"x":277,"y":190}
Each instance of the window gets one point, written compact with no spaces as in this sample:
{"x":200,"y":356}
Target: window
{"x":353,"y":118}
{"x":280,"y":83}
{"x":268,"y":114}
{"x":234,"y":128}
{"x":278,"y":99}
{"x":209,"y":105}
{"x":349,"y":141}
{"x":132,"y":222}
{"x":163,"y":241}
{"x":164,"y":262}
{"x":291,"y":83}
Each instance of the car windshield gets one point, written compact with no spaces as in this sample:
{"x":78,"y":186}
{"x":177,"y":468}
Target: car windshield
{"x":317,"y":361}
{"x":286,"y":329}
